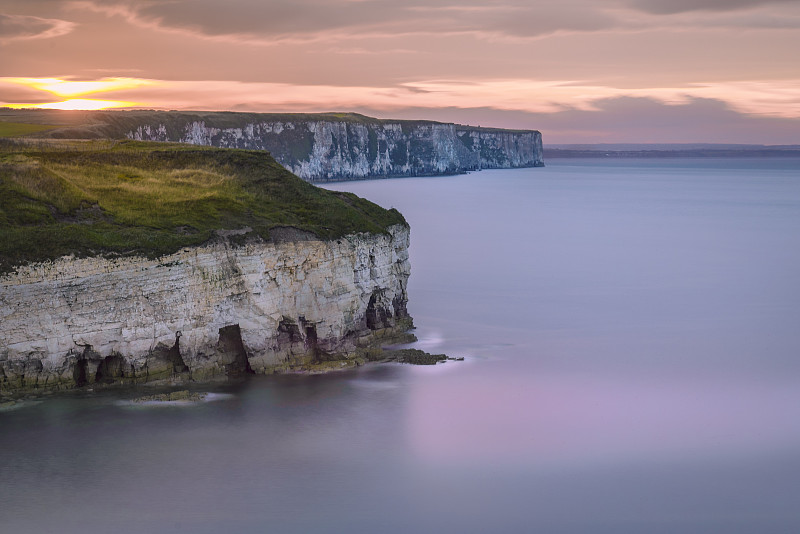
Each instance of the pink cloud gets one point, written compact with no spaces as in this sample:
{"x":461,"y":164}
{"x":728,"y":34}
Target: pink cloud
{"x":25,"y":27}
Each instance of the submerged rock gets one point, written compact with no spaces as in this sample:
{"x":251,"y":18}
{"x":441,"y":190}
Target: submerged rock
{"x":183,"y":395}
{"x":417,"y":357}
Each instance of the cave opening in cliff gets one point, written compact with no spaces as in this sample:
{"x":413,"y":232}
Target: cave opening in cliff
{"x":111,"y":369}
{"x":166,"y":358}
{"x":174,"y":355}
{"x":231,"y":344}
{"x":311,"y":342}
{"x":376,"y":315}
{"x":371,"y":315}
{"x":80,"y":369}
{"x":311,"y":337}
{"x":79,"y":372}
{"x":399,"y":306}
{"x":288,"y":333}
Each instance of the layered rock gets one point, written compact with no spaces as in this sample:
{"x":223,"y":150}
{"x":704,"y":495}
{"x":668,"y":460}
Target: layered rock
{"x":323,"y":147}
{"x":217,"y":310}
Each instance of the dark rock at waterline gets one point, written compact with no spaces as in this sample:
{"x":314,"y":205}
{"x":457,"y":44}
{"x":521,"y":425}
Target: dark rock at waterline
{"x":183,"y":395}
{"x":418,"y":357}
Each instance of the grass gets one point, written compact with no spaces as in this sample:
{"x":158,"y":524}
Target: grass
{"x":17,"y":129}
{"x":108,"y":197}
{"x":116,"y":124}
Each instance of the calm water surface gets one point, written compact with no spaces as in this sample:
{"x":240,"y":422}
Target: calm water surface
{"x":631,"y":332}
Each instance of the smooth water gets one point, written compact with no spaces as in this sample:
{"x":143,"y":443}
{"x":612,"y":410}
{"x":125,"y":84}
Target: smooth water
{"x":632,"y":340}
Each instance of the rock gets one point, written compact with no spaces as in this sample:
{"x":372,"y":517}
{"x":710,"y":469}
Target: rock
{"x":213,"y":311}
{"x":327,"y":147}
{"x":183,"y":395}
{"x":417,"y":357}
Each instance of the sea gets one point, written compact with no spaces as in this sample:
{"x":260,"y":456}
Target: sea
{"x":631,"y":339}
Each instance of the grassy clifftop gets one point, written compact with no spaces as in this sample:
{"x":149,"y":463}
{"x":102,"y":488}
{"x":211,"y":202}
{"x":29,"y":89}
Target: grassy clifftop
{"x":116,"y":124}
{"x":106,"y":197}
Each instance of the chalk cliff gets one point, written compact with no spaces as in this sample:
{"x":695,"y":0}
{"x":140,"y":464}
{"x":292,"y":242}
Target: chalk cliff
{"x":331,"y":146}
{"x":220,"y":309}
{"x":130,"y":262}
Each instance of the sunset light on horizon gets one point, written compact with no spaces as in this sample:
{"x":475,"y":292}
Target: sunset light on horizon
{"x":74,"y":88}
{"x":610,"y":71}
{"x":85,"y":104}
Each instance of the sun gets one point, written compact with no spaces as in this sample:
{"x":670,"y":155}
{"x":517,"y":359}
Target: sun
{"x":78,"y":103}
{"x":74,"y":88}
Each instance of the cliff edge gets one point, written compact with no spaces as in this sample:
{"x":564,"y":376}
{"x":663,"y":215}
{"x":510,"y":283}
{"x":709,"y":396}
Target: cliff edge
{"x":317,"y":147}
{"x":134,"y":262}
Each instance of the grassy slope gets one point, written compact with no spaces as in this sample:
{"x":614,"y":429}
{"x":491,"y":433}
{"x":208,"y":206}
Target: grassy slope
{"x":101,"y":197}
{"x":115,"y":124}
{"x":17,"y":129}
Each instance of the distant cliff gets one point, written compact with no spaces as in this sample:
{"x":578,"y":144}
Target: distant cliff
{"x":317,"y":147}
{"x":348,"y":146}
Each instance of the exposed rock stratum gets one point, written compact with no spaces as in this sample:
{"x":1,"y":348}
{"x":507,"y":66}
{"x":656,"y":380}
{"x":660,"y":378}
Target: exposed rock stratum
{"x":220,"y":309}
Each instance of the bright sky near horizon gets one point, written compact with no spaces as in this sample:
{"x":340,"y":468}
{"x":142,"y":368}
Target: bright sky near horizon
{"x":581,"y":71}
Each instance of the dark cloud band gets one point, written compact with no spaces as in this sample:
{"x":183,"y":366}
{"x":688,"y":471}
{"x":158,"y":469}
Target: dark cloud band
{"x":299,"y":18}
{"x":14,"y":27}
{"x":666,"y":7}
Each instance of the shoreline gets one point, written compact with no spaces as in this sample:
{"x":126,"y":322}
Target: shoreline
{"x":14,"y":399}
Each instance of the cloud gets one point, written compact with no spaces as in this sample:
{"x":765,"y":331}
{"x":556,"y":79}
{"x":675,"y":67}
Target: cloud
{"x":647,"y":120}
{"x":624,"y":120}
{"x":12,"y":94}
{"x":23,"y":27}
{"x":70,"y":88}
{"x":778,"y":98}
{"x":566,"y":112}
{"x":274,"y":22}
{"x":663,"y":7}
{"x":267,"y":22}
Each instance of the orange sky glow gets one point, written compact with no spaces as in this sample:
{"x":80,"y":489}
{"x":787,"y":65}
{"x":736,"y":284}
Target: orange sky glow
{"x":584,"y":71}
{"x":77,"y":104}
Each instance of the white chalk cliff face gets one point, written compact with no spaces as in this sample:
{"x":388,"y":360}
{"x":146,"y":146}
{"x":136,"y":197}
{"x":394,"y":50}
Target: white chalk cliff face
{"x":215,"y":310}
{"x":319,"y":150}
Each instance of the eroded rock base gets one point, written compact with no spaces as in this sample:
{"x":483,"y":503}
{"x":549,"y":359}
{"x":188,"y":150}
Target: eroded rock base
{"x":221,"y":311}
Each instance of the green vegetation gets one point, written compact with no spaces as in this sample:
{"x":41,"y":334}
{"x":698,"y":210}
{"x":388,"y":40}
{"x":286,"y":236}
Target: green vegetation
{"x":116,"y":124}
{"x":126,"y":197}
{"x":17,"y":129}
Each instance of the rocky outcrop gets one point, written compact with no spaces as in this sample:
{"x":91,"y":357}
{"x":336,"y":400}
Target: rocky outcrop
{"x":222,"y":309}
{"x":346,"y":147}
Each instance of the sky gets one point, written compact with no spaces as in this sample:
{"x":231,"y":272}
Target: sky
{"x":580,"y":71}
